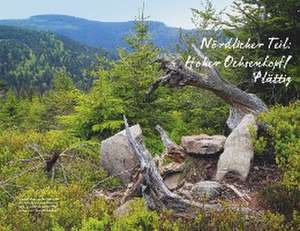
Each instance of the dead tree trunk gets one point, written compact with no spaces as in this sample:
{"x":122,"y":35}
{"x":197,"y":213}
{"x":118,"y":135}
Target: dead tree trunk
{"x":179,"y":75}
{"x":155,"y":192}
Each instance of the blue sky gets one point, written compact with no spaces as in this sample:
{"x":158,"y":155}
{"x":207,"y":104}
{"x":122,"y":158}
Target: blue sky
{"x":175,"y":13}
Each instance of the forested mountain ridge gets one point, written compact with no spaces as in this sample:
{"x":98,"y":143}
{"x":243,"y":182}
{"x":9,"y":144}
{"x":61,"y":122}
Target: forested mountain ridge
{"x":29,"y":59}
{"x":107,"y":35}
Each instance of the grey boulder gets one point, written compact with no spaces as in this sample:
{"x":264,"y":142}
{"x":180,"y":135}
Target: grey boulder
{"x":238,"y":150}
{"x":117,"y":156}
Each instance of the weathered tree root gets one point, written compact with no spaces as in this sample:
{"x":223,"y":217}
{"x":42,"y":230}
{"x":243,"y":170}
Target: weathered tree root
{"x":154,"y":190}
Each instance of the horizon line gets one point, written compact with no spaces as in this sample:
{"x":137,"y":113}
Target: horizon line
{"x":92,"y":20}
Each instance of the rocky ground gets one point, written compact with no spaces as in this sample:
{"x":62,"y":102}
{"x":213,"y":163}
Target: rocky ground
{"x":189,"y":170}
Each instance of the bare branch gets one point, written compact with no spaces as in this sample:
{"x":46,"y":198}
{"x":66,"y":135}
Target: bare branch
{"x":173,"y":151}
{"x":64,"y":173}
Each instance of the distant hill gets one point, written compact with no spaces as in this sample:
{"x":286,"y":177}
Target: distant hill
{"x":29,"y":59}
{"x":106,"y":35}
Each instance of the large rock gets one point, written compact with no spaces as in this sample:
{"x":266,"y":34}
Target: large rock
{"x":117,"y":156}
{"x":203,"y":144}
{"x":238,"y":150}
{"x":208,"y":189}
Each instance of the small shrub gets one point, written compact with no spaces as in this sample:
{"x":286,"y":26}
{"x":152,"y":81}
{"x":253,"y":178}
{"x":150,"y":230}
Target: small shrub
{"x":284,"y":130}
{"x":282,"y":199}
{"x":269,"y":221}
{"x":139,"y":218}
{"x":92,"y":224}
